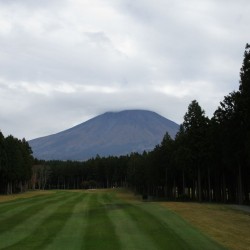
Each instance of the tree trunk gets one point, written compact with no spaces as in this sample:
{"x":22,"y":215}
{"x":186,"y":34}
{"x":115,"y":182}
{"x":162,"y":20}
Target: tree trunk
{"x":21,"y":186}
{"x":166,"y":184}
{"x":199,"y":184}
{"x":9,"y":188}
{"x":174,"y":190}
{"x":194,"y":190}
{"x":183,"y":182}
{"x":209,"y":185}
{"x":224,"y":198}
{"x":240,"y":193}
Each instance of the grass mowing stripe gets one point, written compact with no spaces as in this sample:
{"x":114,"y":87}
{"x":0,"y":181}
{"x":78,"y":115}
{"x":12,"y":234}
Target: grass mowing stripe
{"x":50,"y":226}
{"x":19,"y":217}
{"x":100,"y":231}
{"x":166,"y":229}
{"x":131,"y":237}
{"x":97,"y":220}
{"x":7,"y":205}
{"x":18,"y":200}
{"x":161,"y":236}
{"x":24,"y":195}
{"x":16,"y":209}
{"x":190,"y":235}
{"x":34,"y":220}
{"x":71,"y":235}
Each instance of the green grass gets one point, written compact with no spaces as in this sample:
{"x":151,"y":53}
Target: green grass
{"x":94,"y":220}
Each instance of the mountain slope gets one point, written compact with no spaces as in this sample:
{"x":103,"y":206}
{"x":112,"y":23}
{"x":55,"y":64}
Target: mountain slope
{"x":112,"y":133}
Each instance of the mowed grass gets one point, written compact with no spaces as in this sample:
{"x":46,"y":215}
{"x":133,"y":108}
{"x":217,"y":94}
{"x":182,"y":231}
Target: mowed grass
{"x":221,"y":222}
{"x":95,"y":219}
{"x":29,"y":194}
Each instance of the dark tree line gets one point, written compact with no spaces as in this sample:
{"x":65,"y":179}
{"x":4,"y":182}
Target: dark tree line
{"x":209,"y":159}
{"x":15,"y":164}
{"x":94,"y":173}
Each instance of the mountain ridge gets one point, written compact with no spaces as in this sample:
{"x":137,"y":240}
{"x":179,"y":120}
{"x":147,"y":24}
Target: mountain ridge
{"x":111,"y":133}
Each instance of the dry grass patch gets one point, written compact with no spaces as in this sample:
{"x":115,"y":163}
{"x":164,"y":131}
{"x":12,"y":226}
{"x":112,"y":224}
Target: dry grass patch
{"x":127,"y":195}
{"x":4,"y":198}
{"x":225,"y":225}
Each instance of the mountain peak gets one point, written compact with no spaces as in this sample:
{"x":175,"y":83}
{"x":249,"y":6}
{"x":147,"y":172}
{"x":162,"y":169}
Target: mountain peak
{"x":112,"y":133}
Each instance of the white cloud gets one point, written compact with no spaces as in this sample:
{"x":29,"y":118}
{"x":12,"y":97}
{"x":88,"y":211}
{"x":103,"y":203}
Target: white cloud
{"x":62,"y":62}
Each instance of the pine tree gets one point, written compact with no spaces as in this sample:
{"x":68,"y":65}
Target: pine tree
{"x":244,"y":100}
{"x":233,"y":118}
{"x":195,"y":126}
{"x":3,"y":163}
{"x":244,"y":113}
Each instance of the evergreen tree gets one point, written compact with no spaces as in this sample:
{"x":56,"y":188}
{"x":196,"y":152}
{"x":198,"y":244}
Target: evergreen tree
{"x":181,"y":157}
{"x":233,"y":119}
{"x":243,"y":106}
{"x":244,"y":100}
{"x":3,"y":164}
{"x":195,"y":126}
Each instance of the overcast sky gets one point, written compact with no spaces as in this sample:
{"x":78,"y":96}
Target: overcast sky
{"x":63,"y":62}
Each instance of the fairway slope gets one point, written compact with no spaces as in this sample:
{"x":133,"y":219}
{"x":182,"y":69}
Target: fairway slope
{"x":95,"y":219}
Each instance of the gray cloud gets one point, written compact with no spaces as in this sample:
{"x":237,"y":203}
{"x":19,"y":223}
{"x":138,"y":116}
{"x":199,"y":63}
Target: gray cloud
{"x":62,"y":62}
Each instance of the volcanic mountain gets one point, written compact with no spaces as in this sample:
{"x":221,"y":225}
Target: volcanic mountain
{"x":109,"y":134}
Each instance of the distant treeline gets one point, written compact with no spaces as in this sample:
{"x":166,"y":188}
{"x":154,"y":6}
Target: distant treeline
{"x":15,"y":164}
{"x":209,"y":159}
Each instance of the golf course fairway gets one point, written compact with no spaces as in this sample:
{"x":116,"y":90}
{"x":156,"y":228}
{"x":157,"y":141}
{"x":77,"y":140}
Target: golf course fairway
{"x":95,"y":219}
